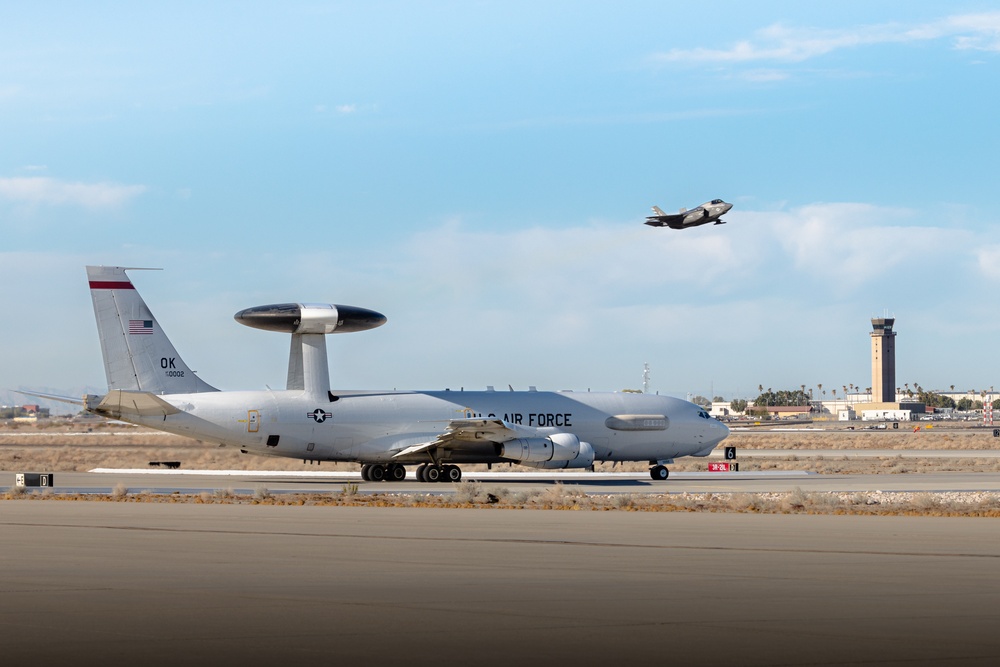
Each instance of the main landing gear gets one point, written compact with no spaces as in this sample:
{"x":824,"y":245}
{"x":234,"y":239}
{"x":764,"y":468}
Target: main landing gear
{"x":659,"y":472}
{"x":395,"y":472}
{"x":427,"y":472}
{"x":376,"y":472}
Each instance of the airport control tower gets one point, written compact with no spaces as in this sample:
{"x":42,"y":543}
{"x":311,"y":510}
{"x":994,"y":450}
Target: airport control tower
{"x":883,"y":360}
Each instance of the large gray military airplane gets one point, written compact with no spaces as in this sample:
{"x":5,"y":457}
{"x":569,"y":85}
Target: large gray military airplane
{"x":711,"y":211}
{"x":149,"y":384}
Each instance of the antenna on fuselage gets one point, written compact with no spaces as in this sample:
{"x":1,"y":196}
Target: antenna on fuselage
{"x":308,"y":368}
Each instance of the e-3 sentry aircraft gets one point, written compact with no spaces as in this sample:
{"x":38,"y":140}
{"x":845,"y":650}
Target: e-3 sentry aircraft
{"x":710,"y":211}
{"x":149,"y":384}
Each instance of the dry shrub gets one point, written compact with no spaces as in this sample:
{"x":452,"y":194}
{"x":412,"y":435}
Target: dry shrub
{"x":623,"y":501}
{"x":467,"y":492}
{"x":747,"y":502}
{"x":523,"y":497}
{"x":559,"y":496}
{"x":926,"y":502}
{"x":797,"y":499}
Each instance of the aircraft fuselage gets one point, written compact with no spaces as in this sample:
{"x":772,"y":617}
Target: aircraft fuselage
{"x":374,"y":426}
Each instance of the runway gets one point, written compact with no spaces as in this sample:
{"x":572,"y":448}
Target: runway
{"x":162,"y":584}
{"x":247,"y":482}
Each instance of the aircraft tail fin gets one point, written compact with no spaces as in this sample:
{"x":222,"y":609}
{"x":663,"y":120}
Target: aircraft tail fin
{"x":138,"y":356}
{"x":658,"y":211}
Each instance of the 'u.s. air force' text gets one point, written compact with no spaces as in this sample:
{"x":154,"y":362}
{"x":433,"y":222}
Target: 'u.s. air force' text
{"x":562,"y":419}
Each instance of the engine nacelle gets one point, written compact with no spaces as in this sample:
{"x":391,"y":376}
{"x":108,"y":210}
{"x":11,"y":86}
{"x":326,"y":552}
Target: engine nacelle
{"x":584,"y":459}
{"x":559,"y":450}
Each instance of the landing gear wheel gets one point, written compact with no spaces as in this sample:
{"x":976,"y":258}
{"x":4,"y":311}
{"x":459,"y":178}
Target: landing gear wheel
{"x":364,"y":472}
{"x":432,"y":474}
{"x":659,"y":473}
{"x":453,"y":473}
{"x":422,"y":472}
{"x":376,"y":473}
{"x":397,"y":473}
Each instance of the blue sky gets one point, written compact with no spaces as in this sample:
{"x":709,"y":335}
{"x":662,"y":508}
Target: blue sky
{"x":479,"y":172}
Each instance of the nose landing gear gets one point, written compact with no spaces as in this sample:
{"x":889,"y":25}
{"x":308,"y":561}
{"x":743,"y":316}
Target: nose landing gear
{"x":659,"y":472}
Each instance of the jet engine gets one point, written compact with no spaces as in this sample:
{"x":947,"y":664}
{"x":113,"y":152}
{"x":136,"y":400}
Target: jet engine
{"x":559,"y":450}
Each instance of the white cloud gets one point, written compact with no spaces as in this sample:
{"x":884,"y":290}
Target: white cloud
{"x":343,"y":109}
{"x":988,"y":261}
{"x":39,"y":190}
{"x":984,"y":29}
{"x":856,"y":244}
{"x":780,"y":43}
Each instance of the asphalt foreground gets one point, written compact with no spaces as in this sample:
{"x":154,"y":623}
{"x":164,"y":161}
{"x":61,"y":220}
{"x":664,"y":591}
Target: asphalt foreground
{"x":97,"y":583}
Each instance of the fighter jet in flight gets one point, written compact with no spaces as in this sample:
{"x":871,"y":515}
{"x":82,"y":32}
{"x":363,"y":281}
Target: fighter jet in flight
{"x":708,"y":212}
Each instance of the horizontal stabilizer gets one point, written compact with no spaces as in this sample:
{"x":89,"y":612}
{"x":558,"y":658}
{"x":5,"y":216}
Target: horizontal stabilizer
{"x":51,"y":397}
{"x":119,"y":402}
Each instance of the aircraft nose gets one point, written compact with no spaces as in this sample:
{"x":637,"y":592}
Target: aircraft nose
{"x":717,"y":431}
{"x":727,"y":207}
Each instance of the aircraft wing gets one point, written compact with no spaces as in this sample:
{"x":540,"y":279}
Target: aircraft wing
{"x":468,"y":431}
{"x":142,"y":403}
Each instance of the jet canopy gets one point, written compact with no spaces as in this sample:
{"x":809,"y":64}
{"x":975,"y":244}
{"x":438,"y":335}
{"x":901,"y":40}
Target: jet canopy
{"x":310,"y":318}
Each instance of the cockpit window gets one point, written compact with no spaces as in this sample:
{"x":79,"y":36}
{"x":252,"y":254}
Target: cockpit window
{"x":703,"y":414}
{"x":716,"y":201}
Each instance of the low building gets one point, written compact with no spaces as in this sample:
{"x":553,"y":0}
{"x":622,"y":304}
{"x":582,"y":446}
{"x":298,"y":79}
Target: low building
{"x":901,"y":406}
{"x":886,"y":415}
{"x":783,"y":411}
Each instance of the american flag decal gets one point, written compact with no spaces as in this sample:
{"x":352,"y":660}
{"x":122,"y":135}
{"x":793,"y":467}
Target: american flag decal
{"x":140,"y":326}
